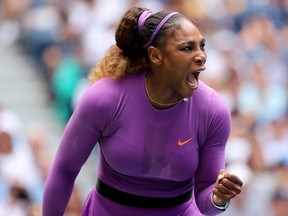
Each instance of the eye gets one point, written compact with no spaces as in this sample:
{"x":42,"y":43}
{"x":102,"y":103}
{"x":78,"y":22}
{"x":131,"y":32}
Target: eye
{"x":187,"y":48}
{"x":202,"y":46}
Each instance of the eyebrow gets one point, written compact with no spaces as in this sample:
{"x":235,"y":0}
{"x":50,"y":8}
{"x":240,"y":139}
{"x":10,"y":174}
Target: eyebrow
{"x":193,"y":42}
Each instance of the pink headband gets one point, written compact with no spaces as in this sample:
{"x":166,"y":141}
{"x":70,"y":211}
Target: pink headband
{"x":142,"y":19}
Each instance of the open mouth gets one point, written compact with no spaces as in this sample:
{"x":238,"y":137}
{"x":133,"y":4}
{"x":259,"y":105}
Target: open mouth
{"x":192,"y":79}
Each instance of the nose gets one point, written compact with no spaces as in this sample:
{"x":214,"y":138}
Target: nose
{"x":200,"y":58}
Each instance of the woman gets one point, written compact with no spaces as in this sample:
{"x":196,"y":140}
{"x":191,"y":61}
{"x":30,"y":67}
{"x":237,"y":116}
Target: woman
{"x":161,"y":131}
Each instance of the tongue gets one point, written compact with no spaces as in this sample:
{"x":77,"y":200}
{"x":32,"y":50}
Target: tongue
{"x":191,"y":79}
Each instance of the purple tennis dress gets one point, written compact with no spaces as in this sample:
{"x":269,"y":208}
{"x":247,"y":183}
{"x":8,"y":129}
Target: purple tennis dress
{"x":143,"y":150}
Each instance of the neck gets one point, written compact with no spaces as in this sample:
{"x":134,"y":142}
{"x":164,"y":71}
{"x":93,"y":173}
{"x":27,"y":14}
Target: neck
{"x":158,"y":104}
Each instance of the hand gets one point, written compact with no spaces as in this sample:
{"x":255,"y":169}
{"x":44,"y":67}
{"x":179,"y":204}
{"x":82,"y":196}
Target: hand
{"x":226,"y":187}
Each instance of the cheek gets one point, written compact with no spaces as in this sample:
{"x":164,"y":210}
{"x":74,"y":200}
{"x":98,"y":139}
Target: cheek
{"x":177,"y":66}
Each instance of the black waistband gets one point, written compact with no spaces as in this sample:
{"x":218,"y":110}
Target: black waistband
{"x":140,"y":201}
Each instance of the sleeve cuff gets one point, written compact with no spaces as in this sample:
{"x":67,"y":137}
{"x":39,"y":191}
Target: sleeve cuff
{"x":220,"y":207}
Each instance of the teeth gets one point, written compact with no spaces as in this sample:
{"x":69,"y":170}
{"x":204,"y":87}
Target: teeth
{"x":192,"y":81}
{"x":193,"y":85}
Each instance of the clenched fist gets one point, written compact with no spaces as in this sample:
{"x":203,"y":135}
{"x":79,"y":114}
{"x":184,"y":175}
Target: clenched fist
{"x":226,"y":187}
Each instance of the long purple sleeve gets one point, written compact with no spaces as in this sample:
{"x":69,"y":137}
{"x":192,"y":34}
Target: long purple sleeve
{"x":141,"y":149}
{"x":79,"y":138}
{"x":212,"y":153}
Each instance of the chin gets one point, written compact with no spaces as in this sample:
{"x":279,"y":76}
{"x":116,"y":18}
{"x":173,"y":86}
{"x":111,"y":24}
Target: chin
{"x":191,"y":93}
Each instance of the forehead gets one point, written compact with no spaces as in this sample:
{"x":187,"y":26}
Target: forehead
{"x":184,"y":31}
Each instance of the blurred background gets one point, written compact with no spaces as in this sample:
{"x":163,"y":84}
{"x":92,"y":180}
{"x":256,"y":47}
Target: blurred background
{"x":47,"y":48}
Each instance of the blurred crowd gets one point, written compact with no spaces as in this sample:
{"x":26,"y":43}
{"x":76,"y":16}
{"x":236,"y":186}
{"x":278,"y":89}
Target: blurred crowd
{"x":247,"y":47}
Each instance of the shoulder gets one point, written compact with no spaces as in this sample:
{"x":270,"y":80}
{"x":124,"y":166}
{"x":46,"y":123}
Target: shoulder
{"x":210,"y":98}
{"x":103,"y":93}
{"x":215,"y":115}
{"x":98,"y":105}
{"x":110,"y":91}
{"x":106,"y":94}
{"x":213,"y":107}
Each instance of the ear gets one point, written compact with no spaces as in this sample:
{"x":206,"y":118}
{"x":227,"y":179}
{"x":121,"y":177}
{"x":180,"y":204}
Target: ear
{"x":155,"y":55}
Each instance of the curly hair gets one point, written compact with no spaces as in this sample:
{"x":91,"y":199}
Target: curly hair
{"x":128,"y":56}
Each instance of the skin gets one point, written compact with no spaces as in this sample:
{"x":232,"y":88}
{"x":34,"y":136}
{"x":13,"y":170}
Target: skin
{"x":171,"y":69}
{"x":226,"y":187}
{"x":182,"y":56}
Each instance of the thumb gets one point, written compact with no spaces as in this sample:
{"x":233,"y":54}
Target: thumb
{"x":221,"y":173}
